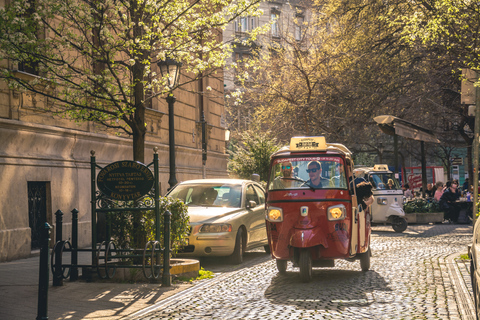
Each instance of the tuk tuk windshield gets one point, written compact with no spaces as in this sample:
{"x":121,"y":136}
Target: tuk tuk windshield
{"x":384,"y":180}
{"x":326,"y":172}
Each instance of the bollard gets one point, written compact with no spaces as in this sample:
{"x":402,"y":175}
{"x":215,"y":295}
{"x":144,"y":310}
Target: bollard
{"x":166,"y":280}
{"x":58,"y":225}
{"x":42,"y":305}
{"x":74,"y":270}
{"x":58,"y":275}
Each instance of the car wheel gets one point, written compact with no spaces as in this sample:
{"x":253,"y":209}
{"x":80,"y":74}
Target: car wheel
{"x":267,"y":248}
{"x":282,"y":266}
{"x":305,"y":264}
{"x":399,"y":224}
{"x":237,"y":255}
{"x":365,"y":260}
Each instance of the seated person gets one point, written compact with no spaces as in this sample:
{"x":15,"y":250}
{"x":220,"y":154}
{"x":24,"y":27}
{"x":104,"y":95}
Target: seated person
{"x":339,"y":180}
{"x":286,"y":180}
{"x":210,"y":196}
{"x":447,"y":201}
{"x":364,"y":194}
{"x":315,"y":174}
{"x":390,"y":184}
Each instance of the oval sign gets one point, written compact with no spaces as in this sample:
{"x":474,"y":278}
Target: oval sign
{"x":125,"y":180}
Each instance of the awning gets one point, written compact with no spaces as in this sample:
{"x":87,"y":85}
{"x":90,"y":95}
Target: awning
{"x":392,"y":125}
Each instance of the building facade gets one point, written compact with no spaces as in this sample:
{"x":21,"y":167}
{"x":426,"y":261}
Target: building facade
{"x":45,"y":160}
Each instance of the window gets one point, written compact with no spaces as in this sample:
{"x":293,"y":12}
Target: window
{"x":243,"y":24}
{"x":251,"y":195}
{"x":261,"y":195}
{"x":308,"y":172}
{"x":275,"y":28}
{"x":298,"y":28}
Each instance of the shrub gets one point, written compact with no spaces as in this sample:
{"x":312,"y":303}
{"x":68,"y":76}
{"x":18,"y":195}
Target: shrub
{"x":421,"y":205}
{"x":125,"y":230}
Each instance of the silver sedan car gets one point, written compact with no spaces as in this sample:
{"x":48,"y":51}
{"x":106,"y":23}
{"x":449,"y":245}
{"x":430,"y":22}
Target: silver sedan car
{"x":227,"y":217}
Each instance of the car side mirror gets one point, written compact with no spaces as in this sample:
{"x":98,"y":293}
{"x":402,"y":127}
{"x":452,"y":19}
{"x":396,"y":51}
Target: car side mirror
{"x":251,"y":204}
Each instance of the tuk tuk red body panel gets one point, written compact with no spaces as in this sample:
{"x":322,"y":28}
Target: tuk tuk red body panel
{"x":331,"y":238}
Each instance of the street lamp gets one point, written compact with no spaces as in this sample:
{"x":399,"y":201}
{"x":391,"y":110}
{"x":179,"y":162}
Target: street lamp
{"x":380,"y":151}
{"x":171,"y":69}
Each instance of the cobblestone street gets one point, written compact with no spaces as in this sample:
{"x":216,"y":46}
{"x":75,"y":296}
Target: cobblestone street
{"x":414,"y":275}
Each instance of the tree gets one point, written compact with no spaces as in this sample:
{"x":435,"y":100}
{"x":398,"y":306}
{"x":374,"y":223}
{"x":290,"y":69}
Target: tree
{"x":252,"y":155}
{"x":97,"y":59}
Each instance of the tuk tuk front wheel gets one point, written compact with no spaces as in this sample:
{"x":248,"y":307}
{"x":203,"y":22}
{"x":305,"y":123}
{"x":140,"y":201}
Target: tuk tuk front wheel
{"x":282,"y":266}
{"x":305,"y":264}
{"x":399,"y":224}
{"x":365,"y":260}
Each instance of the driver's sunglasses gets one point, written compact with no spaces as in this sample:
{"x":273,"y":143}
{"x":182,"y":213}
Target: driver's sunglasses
{"x":312,"y":170}
{"x":286,"y":167}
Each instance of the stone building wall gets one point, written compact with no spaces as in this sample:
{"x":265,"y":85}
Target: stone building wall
{"x":38,"y":147}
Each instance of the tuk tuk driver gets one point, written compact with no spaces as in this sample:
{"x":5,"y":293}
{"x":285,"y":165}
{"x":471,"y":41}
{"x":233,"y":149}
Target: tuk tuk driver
{"x":315,"y":174}
{"x":286,"y":180}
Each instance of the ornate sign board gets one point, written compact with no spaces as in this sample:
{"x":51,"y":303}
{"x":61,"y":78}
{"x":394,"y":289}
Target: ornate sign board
{"x":125,"y":180}
{"x":308,"y":144}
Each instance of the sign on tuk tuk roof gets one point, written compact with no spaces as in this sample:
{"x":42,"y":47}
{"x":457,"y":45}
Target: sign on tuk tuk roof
{"x":380,"y":167}
{"x":317,"y":143}
{"x":308,"y":144}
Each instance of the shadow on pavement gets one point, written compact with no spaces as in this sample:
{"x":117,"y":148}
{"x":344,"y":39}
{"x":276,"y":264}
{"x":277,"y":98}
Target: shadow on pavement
{"x":329,"y":289}
{"x":223,"y":264}
{"x":426,"y":230}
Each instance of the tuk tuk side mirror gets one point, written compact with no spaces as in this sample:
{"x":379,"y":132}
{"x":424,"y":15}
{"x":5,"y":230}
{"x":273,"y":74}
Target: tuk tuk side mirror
{"x":251,"y":204}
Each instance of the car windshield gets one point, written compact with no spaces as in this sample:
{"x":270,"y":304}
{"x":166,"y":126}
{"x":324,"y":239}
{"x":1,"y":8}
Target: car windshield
{"x":385,"y":181}
{"x":211,"y":195}
{"x":325,"y":172}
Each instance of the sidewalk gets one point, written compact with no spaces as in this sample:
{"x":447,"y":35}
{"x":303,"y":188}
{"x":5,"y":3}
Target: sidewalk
{"x":73,"y":300}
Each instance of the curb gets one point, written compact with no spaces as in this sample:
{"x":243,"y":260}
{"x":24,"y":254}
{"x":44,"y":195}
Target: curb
{"x":463,"y":296}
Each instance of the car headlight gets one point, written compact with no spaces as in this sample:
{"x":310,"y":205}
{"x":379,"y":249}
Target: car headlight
{"x":216,"y":228}
{"x":382,"y":200}
{"x":337,"y":212}
{"x":274,"y":214}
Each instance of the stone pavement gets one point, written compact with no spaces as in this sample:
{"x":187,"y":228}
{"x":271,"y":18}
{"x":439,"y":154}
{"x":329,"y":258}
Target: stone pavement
{"x":414,"y":275}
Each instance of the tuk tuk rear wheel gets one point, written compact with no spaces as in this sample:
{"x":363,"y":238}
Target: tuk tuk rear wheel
{"x":399,"y":224}
{"x":282,"y":266}
{"x":305,"y":264}
{"x":365,"y":260}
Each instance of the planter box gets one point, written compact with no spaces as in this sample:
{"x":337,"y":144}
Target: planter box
{"x":424,"y":218}
{"x":181,"y":267}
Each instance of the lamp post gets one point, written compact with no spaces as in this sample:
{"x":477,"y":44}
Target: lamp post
{"x":380,"y":152}
{"x":170,"y":69}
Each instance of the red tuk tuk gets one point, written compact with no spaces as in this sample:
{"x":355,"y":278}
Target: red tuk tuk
{"x":312,"y":213}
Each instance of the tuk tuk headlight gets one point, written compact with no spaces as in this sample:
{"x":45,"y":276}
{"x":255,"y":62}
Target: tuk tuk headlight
{"x":274,"y":214}
{"x":337,"y":212}
{"x":382,"y":201}
{"x":216,"y":228}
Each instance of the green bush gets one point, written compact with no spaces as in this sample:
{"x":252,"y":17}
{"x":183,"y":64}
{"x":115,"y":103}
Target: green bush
{"x":421,"y":205}
{"x":128,"y":228}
